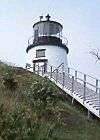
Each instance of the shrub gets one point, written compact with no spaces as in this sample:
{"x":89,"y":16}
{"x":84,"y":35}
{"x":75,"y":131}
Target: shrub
{"x":8,"y":78}
{"x":44,"y":93}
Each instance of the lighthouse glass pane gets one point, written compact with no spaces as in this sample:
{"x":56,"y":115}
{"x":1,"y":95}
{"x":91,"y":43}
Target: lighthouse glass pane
{"x":51,"y":29}
{"x":36,"y":34}
{"x":40,"y":53}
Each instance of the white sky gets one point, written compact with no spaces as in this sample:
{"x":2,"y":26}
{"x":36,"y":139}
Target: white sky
{"x":80,"y":19}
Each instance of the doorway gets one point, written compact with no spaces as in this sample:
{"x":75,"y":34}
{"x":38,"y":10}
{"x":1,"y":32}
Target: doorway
{"x":40,"y":65}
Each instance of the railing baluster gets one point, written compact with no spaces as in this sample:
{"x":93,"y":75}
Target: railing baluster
{"x":56,"y":75}
{"x":68,"y":71}
{"x":72,"y":89}
{"x":84,"y":92}
{"x":38,"y":69}
{"x":63,"y":79}
{"x":62,"y":68}
{"x":96,"y":86}
{"x":26,"y":67}
{"x":34,"y":67}
{"x":51,"y":72}
{"x":72,"y":84}
{"x":85,"y":77}
{"x":99,"y":102}
{"x":75,"y":75}
{"x":42,"y":70}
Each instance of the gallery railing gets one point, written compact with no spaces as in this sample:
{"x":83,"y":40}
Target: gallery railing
{"x":62,"y":38}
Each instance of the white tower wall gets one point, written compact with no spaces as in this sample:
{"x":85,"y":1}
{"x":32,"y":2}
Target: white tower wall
{"x":54,"y":54}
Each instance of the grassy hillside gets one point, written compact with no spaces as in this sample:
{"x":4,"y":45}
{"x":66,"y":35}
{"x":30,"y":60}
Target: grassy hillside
{"x":33,"y":108}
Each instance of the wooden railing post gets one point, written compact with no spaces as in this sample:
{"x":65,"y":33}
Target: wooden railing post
{"x":63,"y":79}
{"x":26,"y":67}
{"x":56,"y":75}
{"x":42,"y":70}
{"x":84,"y":92}
{"x":34,"y":66}
{"x":96,"y":86}
{"x":72,"y":89}
{"x":63,"y":67}
{"x":75,"y":75}
{"x":68,"y":71}
{"x":99,"y":102}
{"x":38,"y":69}
{"x":72,"y":84}
{"x":51,"y":72}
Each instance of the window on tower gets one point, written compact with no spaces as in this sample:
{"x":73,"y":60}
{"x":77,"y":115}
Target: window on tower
{"x":40,"y":53}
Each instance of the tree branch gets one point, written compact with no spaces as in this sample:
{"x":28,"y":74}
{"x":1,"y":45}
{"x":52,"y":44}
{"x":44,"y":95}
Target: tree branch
{"x":96,"y":54}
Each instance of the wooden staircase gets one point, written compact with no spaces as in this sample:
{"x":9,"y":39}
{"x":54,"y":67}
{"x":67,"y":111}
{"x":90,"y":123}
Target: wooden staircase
{"x":81,"y":87}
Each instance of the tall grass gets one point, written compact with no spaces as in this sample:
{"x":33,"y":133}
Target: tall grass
{"x":35,"y":110}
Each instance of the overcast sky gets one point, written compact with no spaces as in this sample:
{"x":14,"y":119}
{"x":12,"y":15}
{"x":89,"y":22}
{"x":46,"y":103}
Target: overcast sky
{"x":81,"y":25}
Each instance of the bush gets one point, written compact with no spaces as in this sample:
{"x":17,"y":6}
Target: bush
{"x":43,"y":93}
{"x":8,"y":78}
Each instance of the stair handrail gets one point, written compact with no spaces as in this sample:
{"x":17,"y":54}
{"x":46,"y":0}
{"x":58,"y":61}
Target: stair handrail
{"x":62,"y":64}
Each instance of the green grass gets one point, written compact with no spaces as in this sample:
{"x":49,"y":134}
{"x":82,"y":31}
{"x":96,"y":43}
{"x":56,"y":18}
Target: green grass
{"x":35,"y":110}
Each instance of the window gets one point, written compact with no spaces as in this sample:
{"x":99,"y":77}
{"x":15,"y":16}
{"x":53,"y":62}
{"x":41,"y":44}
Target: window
{"x":36,"y":34}
{"x":40,"y":53}
{"x":51,"y":29}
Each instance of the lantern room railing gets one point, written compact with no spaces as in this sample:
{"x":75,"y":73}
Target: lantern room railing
{"x":59,"y":37}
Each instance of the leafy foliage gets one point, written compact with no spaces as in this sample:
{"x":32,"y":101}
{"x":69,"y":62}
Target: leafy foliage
{"x":25,"y":120}
{"x":8,"y":78}
{"x":44,"y":93}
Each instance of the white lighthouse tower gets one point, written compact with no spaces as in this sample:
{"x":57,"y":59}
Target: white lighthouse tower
{"x":47,"y":46}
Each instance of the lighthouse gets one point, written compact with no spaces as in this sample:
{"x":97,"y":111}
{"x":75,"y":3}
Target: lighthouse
{"x":47,"y":46}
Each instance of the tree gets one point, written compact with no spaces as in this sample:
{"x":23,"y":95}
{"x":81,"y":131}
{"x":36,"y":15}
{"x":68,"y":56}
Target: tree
{"x":96,"y":54}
